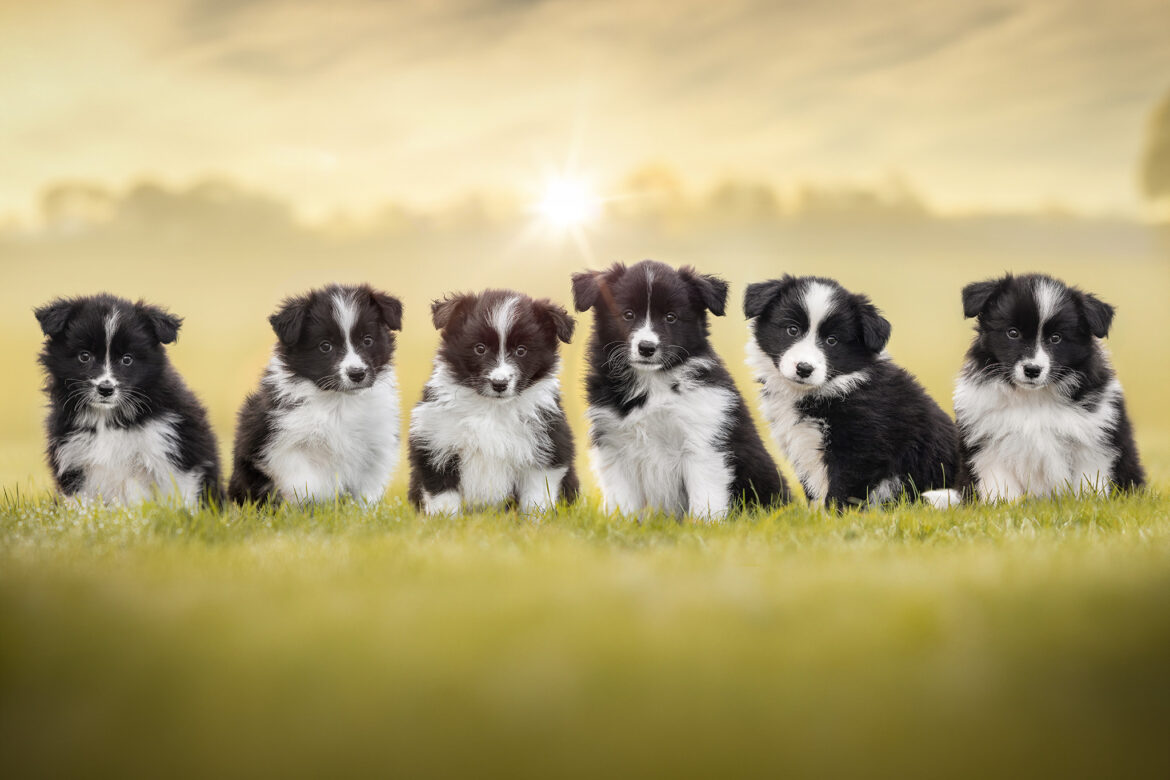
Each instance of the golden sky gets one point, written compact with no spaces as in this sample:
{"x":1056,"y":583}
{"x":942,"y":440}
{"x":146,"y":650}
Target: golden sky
{"x":349,"y":103}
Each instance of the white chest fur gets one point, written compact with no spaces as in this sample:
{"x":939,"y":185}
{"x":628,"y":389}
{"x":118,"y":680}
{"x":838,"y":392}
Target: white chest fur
{"x":327,"y":443}
{"x":666,"y":455}
{"x":800,"y":439}
{"x":128,"y":465}
{"x":502,"y":444}
{"x":1035,"y":442}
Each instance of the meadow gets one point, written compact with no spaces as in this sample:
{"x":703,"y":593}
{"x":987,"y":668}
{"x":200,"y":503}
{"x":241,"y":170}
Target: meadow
{"x":1007,"y":639}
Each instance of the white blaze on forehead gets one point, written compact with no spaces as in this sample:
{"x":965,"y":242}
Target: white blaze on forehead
{"x":1049,"y":298}
{"x":818,"y":300}
{"x":502,"y":318}
{"x":345,"y":313}
{"x":111,"y":326}
{"x":646,"y":331}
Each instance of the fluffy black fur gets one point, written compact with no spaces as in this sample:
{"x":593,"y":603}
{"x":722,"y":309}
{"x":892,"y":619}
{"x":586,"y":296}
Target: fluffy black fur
{"x":674,"y":304}
{"x":474,"y":383}
{"x":874,"y":430}
{"x":95,"y":397}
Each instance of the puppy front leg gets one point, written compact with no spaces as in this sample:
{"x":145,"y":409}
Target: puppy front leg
{"x":620,"y":491}
{"x":708,"y":481}
{"x":539,"y":489}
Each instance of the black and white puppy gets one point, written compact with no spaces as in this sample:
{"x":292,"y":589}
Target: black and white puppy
{"x":490,"y":428}
{"x":1039,"y":406}
{"x":670,"y":431}
{"x":122,"y":426}
{"x":857,"y":428}
{"x":324,"y":422}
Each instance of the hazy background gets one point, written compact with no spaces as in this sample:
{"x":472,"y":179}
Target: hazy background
{"x":216,"y":156}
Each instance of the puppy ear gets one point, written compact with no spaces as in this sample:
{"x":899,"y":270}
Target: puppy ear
{"x":562,"y":323}
{"x":760,"y":295}
{"x":54,"y":316}
{"x":161,"y":322}
{"x":445,"y":310}
{"x":389,"y":308}
{"x":587,"y":285}
{"x":712,"y":290}
{"x":875,"y":329}
{"x":1098,"y":314}
{"x":977,"y":294}
{"x":290,"y":320}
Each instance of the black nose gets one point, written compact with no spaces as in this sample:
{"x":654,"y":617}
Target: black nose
{"x":356,"y":374}
{"x":804,"y":370}
{"x":1031,"y":370}
{"x":647,"y":348}
{"x":105,"y":389}
{"x":499,"y":385}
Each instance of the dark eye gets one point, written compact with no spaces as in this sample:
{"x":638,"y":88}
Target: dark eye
{"x":1013,"y":333}
{"x":831,"y":341}
{"x":84,"y":356}
{"x":325,"y":346}
{"x":368,"y":341}
{"x":480,"y":349}
{"x":628,"y":315}
{"x":127,"y":359}
{"x":671,"y":316}
{"x":1055,"y":338}
{"x":793,"y":330}
{"x":521,"y":351}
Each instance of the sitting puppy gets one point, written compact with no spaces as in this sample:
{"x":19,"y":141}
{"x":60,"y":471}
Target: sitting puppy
{"x":670,"y":431}
{"x":325,"y":420}
{"x":122,"y":425}
{"x":857,"y":428}
{"x":1038,"y":404}
{"x":490,"y":428}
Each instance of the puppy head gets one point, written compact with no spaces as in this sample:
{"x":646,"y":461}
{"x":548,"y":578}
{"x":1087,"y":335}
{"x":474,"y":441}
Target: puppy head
{"x":339,"y":337}
{"x":650,"y":316}
{"x":813,"y":329}
{"x":500,"y":342}
{"x":105,"y":352}
{"x":1033,"y":331}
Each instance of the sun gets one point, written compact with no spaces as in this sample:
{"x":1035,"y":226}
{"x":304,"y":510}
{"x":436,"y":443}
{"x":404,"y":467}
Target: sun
{"x":568,"y":203}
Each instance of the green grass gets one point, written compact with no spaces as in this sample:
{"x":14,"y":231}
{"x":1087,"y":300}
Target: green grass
{"x":1026,"y":639}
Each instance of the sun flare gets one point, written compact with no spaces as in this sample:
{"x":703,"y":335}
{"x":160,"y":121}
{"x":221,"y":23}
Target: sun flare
{"x":568,"y":203}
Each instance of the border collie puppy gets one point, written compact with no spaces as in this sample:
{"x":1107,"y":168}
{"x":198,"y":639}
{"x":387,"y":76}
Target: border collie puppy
{"x":1039,"y":406}
{"x":324,"y":422}
{"x":122,"y":425}
{"x":857,"y":428}
{"x":670,"y":431}
{"x":490,"y":428}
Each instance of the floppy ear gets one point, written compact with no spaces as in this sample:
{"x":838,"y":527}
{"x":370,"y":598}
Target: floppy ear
{"x":587,"y":285}
{"x":162,"y":323}
{"x":977,"y":294}
{"x":1098,"y":314}
{"x":443,"y":311}
{"x":759,"y":295}
{"x":389,"y":308}
{"x":712,"y":290}
{"x":54,"y":316}
{"x":562,"y":323}
{"x":875,"y":329}
{"x":290,"y":320}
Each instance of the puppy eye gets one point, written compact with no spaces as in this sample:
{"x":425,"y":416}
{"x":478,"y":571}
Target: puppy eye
{"x":521,"y":351}
{"x":325,"y":346}
{"x":1055,"y":338}
{"x":127,"y":359}
{"x":480,"y":349}
{"x":84,"y":356}
{"x":793,"y":330}
{"x":628,"y":315}
{"x":1013,"y":333}
{"x":831,"y":341}
{"x":368,"y":341}
{"x":671,"y":316}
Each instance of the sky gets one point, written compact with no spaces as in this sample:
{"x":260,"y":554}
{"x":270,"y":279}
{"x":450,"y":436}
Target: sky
{"x":349,"y":104}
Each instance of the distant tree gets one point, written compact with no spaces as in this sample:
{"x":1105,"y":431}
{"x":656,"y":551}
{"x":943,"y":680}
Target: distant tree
{"x":1155,"y":165}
